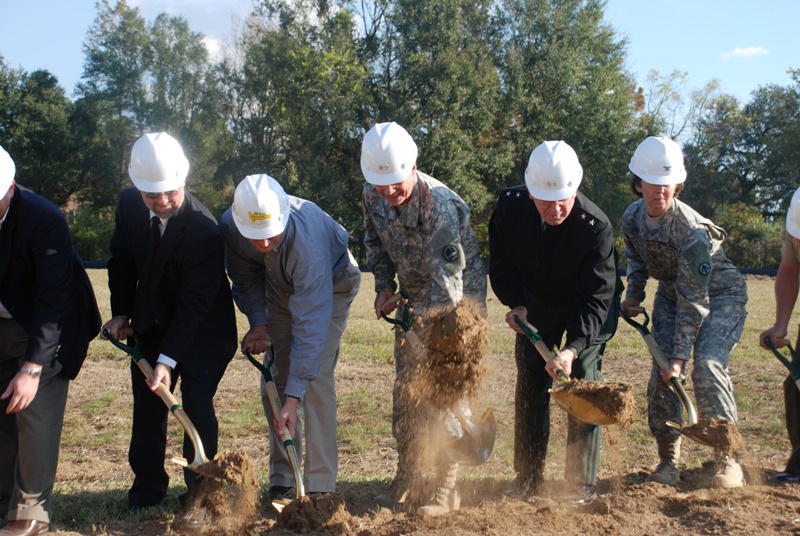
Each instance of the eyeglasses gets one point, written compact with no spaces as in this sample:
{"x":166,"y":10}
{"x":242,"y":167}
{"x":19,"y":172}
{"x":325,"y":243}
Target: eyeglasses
{"x":158,"y":195}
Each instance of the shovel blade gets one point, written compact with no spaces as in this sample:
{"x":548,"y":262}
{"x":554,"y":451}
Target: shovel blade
{"x":580,"y":408}
{"x":477,"y":443}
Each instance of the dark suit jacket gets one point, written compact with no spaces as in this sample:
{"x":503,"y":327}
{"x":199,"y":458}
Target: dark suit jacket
{"x":189,"y":292}
{"x":43,"y":284}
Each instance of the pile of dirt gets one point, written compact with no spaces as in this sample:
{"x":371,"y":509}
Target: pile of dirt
{"x":226,"y":501}
{"x":614,"y":401}
{"x":320,"y":514}
{"x":721,"y":434}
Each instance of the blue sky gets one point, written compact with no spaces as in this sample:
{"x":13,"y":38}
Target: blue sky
{"x":742,"y":44}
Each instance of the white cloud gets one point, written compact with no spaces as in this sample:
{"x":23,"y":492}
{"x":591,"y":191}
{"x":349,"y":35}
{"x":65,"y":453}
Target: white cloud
{"x":214,"y":47}
{"x":746,"y":52}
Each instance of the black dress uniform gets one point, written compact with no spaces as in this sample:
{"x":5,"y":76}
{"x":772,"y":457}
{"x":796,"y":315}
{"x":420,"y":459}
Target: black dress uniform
{"x":567,"y":279}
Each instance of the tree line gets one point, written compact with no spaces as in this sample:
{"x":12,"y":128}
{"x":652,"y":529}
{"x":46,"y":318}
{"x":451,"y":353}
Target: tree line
{"x":477,"y":83}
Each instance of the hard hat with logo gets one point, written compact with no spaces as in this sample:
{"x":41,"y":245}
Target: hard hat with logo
{"x":658,"y":160}
{"x":158,"y":163}
{"x":7,"y":171}
{"x":388,"y":153}
{"x":553,"y":171}
{"x":793,"y":215}
{"x":260,"y":207}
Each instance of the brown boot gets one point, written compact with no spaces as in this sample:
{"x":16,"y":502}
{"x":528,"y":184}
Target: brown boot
{"x":446,"y":499}
{"x":397,"y":491}
{"x":669,"y":452}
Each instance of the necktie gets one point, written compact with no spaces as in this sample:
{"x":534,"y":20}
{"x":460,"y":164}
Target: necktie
{"x":143,"y":315}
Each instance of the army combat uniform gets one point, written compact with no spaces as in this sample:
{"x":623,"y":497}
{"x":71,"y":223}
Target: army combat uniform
{"x":790,"y":256}
{"x":566,"y":278}
{"x":699,"y":304}
{"x":428,"y":244}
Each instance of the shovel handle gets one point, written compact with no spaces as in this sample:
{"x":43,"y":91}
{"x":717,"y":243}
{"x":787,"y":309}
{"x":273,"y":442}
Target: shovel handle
{"x":275,"y":403}
{"x":658,"y":355}
{"x":791,"y":365}
{"x":539,"y":344}
{"x":166,"y":395}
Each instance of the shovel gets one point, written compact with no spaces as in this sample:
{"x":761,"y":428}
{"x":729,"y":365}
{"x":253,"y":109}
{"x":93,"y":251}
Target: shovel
{"x":475,"y":446}
{"x":199,"y":464}
{"x":791,"y":364}
{"x":577,"y":406}
{"x":702,"y":433}
{"x":286,"y":437}
{"x":655,"y":351}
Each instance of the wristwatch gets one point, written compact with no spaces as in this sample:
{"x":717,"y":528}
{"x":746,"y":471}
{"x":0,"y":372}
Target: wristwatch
{"x":33,"y":373}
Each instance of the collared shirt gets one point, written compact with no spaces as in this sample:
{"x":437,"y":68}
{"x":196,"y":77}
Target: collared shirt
{"x":291,"y":287}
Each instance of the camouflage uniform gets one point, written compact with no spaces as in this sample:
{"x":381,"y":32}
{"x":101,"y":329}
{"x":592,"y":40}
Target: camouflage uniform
{"x":429,"y":245}
{"x":699,"y":303}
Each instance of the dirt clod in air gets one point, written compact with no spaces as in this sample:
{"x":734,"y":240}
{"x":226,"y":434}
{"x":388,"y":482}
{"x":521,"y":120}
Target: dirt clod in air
{"x":226,"y":502}
{"x":318,"y":514}
{"x":456,"y":340}
{"x":447,"y":370}
{"x":614,"y":400}
{"x":720,"y":434}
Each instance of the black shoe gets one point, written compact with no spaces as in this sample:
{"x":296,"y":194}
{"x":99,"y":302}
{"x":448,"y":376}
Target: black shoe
{"x":280,"y":492}
{"x":523,"y":485}
{"x":787,"y":477}
{"x":586,"y":494}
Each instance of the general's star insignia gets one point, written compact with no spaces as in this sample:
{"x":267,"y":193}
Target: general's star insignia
{"x":591,"y":222}
{"x":583,"y":216}
{"x":518,"y":194}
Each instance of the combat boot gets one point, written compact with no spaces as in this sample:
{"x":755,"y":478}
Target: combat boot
{"x":446,"y":499}
{"x":396,"y":492}
{"x":669,"y":451}
{"x":730,"y":473}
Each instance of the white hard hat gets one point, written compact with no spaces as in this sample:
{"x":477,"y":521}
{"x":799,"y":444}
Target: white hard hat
{"x":793,"y":215}
{"x":388,"y":153}
{"x":7,"y":171}
{"x":260,"y":207}
{"x":658,"y":160}
{"x":553,"y":171}
{"x":158,"y":163}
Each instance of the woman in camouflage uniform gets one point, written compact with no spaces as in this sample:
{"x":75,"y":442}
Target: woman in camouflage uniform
{"x":699,"y":304}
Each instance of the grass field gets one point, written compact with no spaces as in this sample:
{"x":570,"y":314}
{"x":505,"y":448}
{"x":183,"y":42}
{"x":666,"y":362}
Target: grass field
{"x":94,"y":475}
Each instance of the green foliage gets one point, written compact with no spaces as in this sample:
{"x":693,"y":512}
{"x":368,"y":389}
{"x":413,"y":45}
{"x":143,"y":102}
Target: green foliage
{"x":752,"y":242}
{"x":478,"y":84}
{"x":91,"y":230}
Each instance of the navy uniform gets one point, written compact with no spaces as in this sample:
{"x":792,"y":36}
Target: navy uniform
{"x":566,"y":277}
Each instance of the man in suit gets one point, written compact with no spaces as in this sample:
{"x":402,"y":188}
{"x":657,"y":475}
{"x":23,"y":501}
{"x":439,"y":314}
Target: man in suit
{"x":167,"y":280}
{"x":48,"y":315}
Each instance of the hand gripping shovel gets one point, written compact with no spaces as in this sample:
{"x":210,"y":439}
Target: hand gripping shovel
{"x":791,"y":365}
{"x":198,"y":465}
{"x":475,"y":446}
{"x":286,"y":437}
{"x":579,"y":407}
